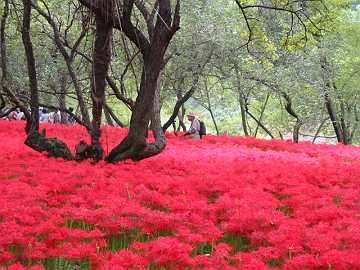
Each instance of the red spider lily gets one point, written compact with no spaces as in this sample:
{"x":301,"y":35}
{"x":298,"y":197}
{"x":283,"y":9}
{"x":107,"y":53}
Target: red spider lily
{"x":219,"y":203}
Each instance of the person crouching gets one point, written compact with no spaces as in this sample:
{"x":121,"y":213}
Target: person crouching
{"x":194,"y":130}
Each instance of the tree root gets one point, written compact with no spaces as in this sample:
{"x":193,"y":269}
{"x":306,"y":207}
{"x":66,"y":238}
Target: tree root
{"x":53,"y":146}
{"x":88,"y":151}
{"x":135,"y":150}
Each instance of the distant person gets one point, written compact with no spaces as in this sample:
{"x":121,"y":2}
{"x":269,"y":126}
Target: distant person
{"x":51,"y":117}
{"x":19,"y":115}
{"x":57,"y":117}
{"x":12,"y":115}
{"x":194,"y":130}
{"x":40,"y":112}
{"x":70,"y":119}
{"x":44,"y":118}
{"x":54,"y":117}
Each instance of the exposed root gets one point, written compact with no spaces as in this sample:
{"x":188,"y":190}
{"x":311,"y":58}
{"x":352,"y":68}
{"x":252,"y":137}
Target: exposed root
{"x":53,"y":146}
{"x":88,"y":151}
{"x":135,"y":150}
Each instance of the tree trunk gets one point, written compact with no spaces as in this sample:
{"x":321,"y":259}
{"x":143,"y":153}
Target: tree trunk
{"x":355,"y":127}
{"x":328,"y":101}
{"x":101,"y":61}
{"x":2,"y":104}
{"x":209,"y":107}
{"x":344,"y":124}
{"x":134,"y":146}
{"x":181,"y":116}
{"x":179,"y":104}
{"x":3,"y":50}
{"x":259,"y":123}
{"x":158,"y":133}
{"x":152,"y":47}
{"x":214,"y":121}
{"x":319,"y":129}
{"x":35,"y":140}
{"x":102,"y":58}
{"x":243,"y":113}
{"x":333,"y":117}
{"x":62,"y":96}
{"x":113,"y":116}
{"x":241,"y":102}
{"x":33,"y":125}
{"x":108,"y":118}
{"x":290,"y":110}
{"x":262,"y":113}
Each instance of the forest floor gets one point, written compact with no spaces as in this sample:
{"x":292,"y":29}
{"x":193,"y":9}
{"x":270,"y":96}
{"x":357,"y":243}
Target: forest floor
{"x":219,"y":203}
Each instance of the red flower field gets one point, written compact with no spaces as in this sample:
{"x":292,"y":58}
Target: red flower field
{"x":220,"y":203}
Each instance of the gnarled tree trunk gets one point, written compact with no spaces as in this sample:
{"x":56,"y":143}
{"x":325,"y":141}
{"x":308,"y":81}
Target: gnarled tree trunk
{"x":33,"y":125}
{"x":34,"y":139}
{"x":102,"y":57}
{"x":101,"y":61}
{"x":135,"y":145}
{"x":161,"y":26}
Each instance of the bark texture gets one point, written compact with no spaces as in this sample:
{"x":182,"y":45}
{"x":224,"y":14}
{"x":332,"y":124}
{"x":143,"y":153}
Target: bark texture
{"x":33,"y":124}
{"x":102,"y":57}
{"x":101,"y":61}
{"x":35,"y":140}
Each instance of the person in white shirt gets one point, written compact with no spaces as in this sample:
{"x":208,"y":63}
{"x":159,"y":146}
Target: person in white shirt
{"x":51,"y":117}
{"x":19,"y":115}
{"x":194,"y":130}
{"x":44,"y":118}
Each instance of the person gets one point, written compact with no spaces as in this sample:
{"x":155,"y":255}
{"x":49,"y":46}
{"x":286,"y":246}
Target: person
{"x":44,"y":118}
{"x":40,"y":112}
{"x":19,"y":114}
{"x":57,"y":117}
{"x":70,"y":117}
{"x":194,"y":130}
{"x":12,"y":115}
{"x":51,"y":117}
